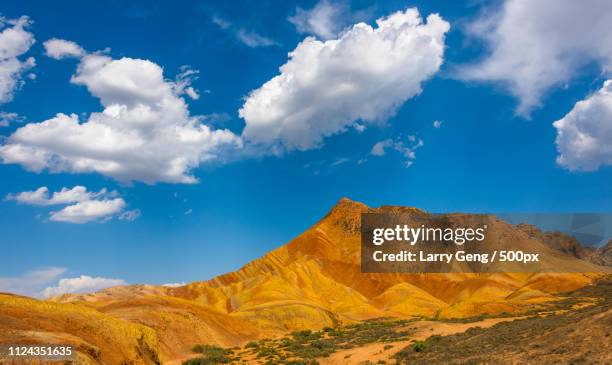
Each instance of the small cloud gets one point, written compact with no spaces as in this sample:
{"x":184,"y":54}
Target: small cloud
{"x":130,"y":215}
{"x":41,"y":196}
{"x":216,"y":118}
{"x":7,"y":119}
{"x":407,"y":150}
{"x":340,"y":161}
{"x":326,"y":19}
{"x":88,"y":211}
{"x":82,"y":206}
{"x":183,"y":83}
{"x":174,"y":285}
{"x":359,"y":127}
{"x":80,"y":284}
{"x":249,"y":38}
{"x":192,"y":93}
{"x":220,"y":22}
{"x":188,"y":212}
{"x":61,"y":48}
{"x":254,"y":40}
{"x":437,"y":124}
{"x":379,"y":148}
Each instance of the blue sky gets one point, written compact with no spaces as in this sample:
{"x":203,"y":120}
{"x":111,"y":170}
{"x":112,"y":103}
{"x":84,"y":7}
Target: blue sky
{"x":494,"y":151}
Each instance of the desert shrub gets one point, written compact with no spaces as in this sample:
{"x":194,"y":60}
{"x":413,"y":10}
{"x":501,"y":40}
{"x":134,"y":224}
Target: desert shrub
{"x":418,"y":346}
{"x":267,"y":352}
{"x":211,"y":355}
{"x":251,"y":345}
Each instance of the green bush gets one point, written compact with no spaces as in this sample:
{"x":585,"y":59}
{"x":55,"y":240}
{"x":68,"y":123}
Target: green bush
{"x":251,"y":345}
{"x":418,"y":346}
{"x":212,"y":355}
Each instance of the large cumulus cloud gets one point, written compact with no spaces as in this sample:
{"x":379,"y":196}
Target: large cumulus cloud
{"x":363,"y":76}
{"x":144,"y":131}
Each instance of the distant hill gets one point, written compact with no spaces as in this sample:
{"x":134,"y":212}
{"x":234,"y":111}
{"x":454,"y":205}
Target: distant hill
{"x":570,"y":245}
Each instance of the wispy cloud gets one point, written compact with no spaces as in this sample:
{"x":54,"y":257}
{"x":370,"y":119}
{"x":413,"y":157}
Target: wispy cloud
{"x":7,"y":118}
{"x":32,"y":281}
{"x":327,"y":18}
{"x":247,"y":37}
{"x":253,"y":39}
{"x":405,"y":147}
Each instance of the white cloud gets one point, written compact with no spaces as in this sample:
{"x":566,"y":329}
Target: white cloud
{"x":60,"y":48}
{"x":130,"y":215}
{"x":362,"y":77}
{"x":584,"y":135}
{"x":437,"y":124}
{"x":87,"y":211}
{"x":174,"y":285}
{"x":31,"y":282}
{"x":220,"y":22}
{"x":7,"y":118}
{"x":81,"y":284}
{"x":192,"y":93}
{"x":249,"y":38}
{"x":324,"y":20}
{"x":82,"y":206}
{"x":405,"y":148}
{"x":15,"y":41}
{"x":184,"y":81}
{"x":340,"y":161}
{"x":40,"y":196}
{"x":379,"y":148}
{"x":144,"y":132}
{"x":536,"y":45}
{"x":253,"y":39}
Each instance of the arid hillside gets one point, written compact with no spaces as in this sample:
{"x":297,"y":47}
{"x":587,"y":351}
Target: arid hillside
{"x":314,"y":281}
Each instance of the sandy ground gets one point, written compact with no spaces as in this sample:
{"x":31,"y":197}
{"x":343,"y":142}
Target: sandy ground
{"x":423,"y":329}
{"x":376,"y":351}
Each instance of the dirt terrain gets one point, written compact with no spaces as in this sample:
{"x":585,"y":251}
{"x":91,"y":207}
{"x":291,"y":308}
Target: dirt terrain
{"x":578,"y":336}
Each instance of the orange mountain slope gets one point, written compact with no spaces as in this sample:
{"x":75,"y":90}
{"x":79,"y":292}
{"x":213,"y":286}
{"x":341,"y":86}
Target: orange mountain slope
{"x":313,"y":281}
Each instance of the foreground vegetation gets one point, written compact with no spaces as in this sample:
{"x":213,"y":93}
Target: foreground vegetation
{"x":531,"y":335}
{"x":304,"y":347}
{"x":579,"y":336}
